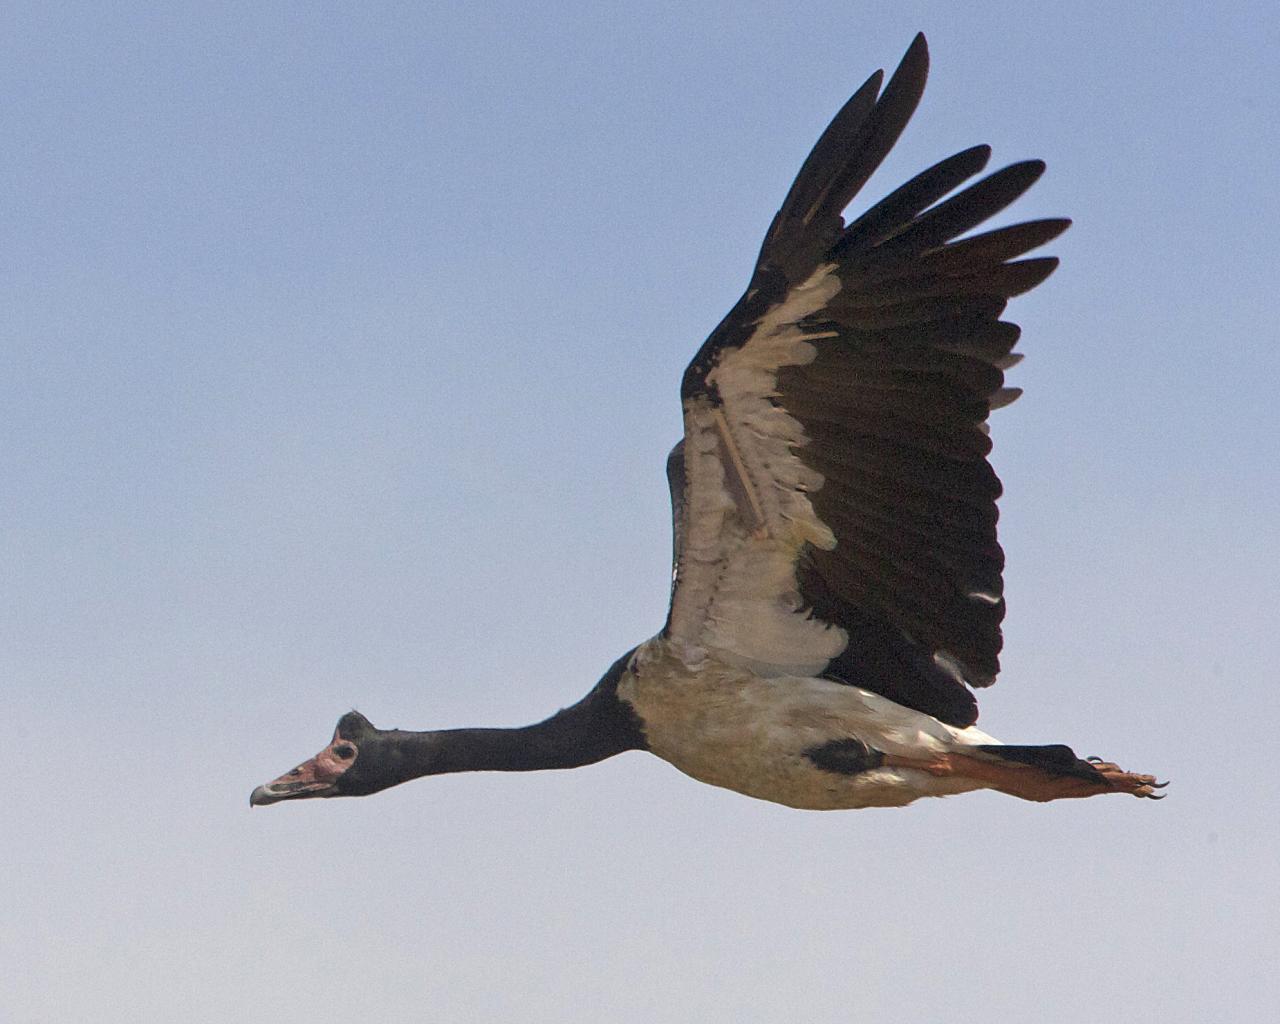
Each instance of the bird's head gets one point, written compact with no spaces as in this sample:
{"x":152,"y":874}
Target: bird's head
{"x":360,"y":759}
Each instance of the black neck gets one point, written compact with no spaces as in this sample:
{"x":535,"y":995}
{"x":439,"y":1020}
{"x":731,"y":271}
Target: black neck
{"x":595,"y":728}
{"x":555,"y":743}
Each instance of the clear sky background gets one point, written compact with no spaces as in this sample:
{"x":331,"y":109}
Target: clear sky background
{"x":338,"y":366}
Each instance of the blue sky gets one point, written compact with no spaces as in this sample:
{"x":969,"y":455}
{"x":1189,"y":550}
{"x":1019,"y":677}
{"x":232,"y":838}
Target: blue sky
{"x":338,"y":369}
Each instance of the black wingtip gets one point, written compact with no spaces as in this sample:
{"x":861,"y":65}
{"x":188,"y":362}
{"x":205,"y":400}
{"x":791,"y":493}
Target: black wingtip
{"x":1023,"y":275}
{"x":1030,"y":169}
{"x":868,"y":90}
{"x":913,"y":69}
{"x":1054,"y":226}
{"x":846,"y":154}
{"x":915,"y":62}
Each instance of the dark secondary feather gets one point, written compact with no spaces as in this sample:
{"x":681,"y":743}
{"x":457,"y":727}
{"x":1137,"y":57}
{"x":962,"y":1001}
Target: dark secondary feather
{"x":910,"y":361}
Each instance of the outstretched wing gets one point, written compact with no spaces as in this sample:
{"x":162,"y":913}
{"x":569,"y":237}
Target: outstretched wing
{"x":835,"y":512}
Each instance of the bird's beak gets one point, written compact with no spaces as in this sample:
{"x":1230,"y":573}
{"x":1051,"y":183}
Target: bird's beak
{"x":316,"y":777}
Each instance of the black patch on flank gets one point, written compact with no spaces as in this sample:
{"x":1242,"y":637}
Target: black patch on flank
{"x":1055,"y":758}
{"x":845,"y":757}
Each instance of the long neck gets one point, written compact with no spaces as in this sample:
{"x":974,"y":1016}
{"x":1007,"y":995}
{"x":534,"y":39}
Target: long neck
{"x":595,"y":728}
{"x":549,"y":744}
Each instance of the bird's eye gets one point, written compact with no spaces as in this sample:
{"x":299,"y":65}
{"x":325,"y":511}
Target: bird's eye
{"x":345,"y":751}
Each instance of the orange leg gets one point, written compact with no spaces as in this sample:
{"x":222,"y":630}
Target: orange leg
{"x":1031,"y":783}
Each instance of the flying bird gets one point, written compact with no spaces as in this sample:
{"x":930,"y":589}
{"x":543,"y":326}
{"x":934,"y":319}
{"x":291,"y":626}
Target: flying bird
{"x":837,"y":584}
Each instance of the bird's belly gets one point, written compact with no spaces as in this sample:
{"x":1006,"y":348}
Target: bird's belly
{"x":733,"y":729}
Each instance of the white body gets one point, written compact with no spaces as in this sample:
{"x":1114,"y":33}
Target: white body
{"x":728,"y":727}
